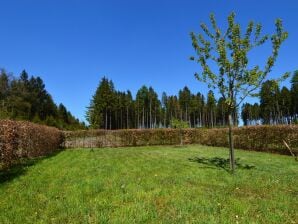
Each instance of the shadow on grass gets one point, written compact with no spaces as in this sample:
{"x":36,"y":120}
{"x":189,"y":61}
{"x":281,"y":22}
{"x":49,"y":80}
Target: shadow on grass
{"x":221,"y":163}
{"x":21,"y":168}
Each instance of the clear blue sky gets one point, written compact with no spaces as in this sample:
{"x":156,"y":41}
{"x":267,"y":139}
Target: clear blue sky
{"x":72,"y":44}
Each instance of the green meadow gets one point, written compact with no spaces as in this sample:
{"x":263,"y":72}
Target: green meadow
{"x":159,"y":184}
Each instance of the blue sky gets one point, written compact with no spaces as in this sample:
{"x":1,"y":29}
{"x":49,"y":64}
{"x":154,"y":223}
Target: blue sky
{"x":72,"y":44}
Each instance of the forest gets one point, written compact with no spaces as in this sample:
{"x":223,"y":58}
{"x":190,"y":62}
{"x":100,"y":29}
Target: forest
{"x":25,"y":98}
{"x":277,"y":105}
{"x":113,"y":109}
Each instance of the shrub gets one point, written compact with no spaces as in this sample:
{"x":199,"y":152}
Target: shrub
{"x":22,"y":139}
{"x":258,"y":138}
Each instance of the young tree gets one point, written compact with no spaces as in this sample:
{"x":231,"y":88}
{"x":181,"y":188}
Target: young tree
{"x":229,"y":50}
{"x":179,"y":124}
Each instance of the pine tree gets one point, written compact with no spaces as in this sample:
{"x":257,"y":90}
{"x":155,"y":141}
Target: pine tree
{"x":184,"y":102}
{"x":4,"y":91}
{"x":211,"y":109}
{"x":99,"y":113}
{"x":25,"y":98}
{"x":285,"y":103}
{"x":269,"y":102}
{"x":294,"y":93}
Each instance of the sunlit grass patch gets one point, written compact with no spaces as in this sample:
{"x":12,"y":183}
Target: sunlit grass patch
{"x":152,"y":185}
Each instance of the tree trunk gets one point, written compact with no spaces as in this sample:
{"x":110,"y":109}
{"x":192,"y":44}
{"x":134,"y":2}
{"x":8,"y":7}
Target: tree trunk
{"x":143,"y":124}
{"x":110,"y":120}
{"x":106,"y":121}
{"x":116,"y":120}
{"x":211,"y":118}
{"x":155,"y":118}
{"x":138,"y":117}
{"x":121,"y":120}
{"x":231,"y":144}
{"x":165,"y":118}
{"x":127,"y":126}
{"x":181,"y":137}
{"x":150,"y":114}
{"x":194,"y":120}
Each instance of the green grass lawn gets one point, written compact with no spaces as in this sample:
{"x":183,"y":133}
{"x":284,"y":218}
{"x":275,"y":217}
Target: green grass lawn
{"x":159,"y":184}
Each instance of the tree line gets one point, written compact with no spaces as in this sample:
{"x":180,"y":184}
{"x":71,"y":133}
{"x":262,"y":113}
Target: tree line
{"x":113,"y":109}
{"x":277,"y":105}
{"x":25,"y":98}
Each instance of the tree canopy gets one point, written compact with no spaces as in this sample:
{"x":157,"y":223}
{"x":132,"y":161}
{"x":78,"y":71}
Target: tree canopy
{"x":228,"y":51}
{"x":26,"y":98}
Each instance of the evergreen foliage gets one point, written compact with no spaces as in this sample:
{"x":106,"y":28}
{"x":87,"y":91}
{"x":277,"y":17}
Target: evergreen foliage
{"x":277,"y":105}
{"x":25,"y":98}
{"x":111,"y":109}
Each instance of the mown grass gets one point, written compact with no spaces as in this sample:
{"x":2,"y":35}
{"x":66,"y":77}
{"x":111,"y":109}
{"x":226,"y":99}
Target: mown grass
{"x":152,"y":185}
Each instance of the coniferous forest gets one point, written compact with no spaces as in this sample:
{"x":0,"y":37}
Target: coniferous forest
{"x":278,"y":105}
{"x":25,"y":98}
{"x":112,"y":109}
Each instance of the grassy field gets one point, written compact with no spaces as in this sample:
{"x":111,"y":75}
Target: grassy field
{"x":151,"y":185}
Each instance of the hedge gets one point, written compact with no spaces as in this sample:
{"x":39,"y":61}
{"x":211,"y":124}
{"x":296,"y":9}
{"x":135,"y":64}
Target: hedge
{"x":22,"y":139}
{"x":257,"y":138}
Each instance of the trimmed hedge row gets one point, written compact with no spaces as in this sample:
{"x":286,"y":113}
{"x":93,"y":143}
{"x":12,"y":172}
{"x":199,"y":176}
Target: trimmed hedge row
{"x":257,"y":138}
{"x":22,"y":139}
{"x":263,"y":138}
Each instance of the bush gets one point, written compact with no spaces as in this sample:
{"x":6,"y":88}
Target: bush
{"x":258,"y":138}
{"x":22,"y":139}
